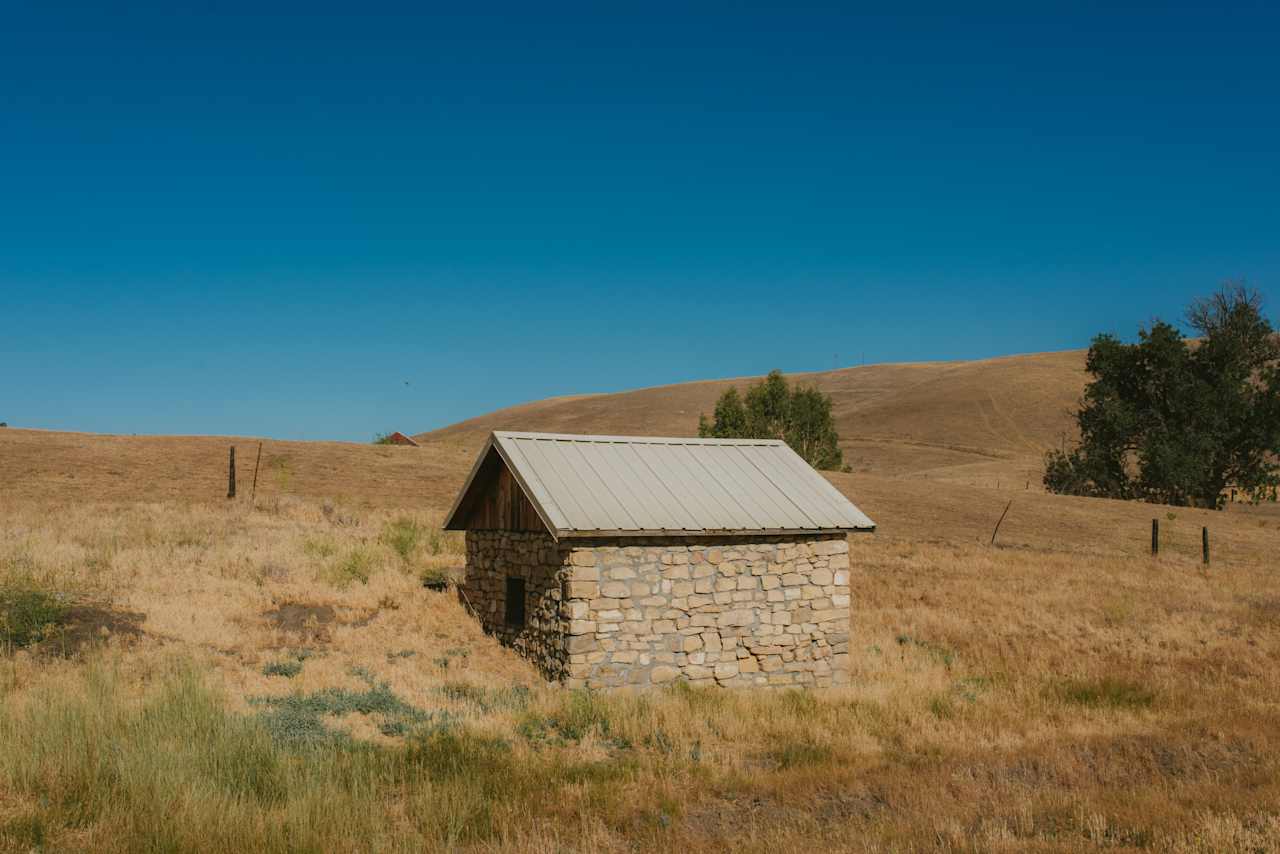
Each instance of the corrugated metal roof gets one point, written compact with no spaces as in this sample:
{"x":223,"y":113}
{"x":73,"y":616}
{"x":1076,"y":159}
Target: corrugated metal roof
{"x":643,"y":486}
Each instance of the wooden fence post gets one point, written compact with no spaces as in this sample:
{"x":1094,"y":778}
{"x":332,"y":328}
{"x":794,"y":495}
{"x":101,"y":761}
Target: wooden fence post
{"x":1000,"y":520}
{"x":253,"y":493}
{"x":1204,"y":544}
{"x":231,"y":474}
{"x":1155,"y":537}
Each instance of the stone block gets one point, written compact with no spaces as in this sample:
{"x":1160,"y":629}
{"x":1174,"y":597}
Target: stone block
{"x":615,"y":590}
{"x":740,"y":617}
{"x":831,"y":547}
{"x":582,"y":573}
{"x":581,"y":644}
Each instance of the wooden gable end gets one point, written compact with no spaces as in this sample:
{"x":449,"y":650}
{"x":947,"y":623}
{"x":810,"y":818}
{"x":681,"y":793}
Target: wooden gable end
{"x":496,"y":502}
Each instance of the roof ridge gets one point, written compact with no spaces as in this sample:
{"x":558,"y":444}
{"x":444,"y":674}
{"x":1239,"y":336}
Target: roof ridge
{"x":632,"y":440}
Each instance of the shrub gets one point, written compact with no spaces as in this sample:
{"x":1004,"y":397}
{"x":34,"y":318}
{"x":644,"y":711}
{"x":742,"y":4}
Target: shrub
{"x":436,"y":578}
{"x":403,"y":536}
{"x":28,"y":613}
{"x":358,"y":565}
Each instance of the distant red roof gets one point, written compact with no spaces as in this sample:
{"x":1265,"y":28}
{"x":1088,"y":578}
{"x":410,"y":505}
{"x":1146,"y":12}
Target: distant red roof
{"x":398,"y":438}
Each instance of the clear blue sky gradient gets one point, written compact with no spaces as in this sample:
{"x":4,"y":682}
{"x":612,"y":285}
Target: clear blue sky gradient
{"x":324,"y":222}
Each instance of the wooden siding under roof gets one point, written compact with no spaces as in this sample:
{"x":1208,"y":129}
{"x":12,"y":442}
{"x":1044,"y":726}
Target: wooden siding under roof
{"x":642,"y":486}
{"x":500,"y":504}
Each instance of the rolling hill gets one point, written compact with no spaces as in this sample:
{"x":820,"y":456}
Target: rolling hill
{"x":976,"y":422}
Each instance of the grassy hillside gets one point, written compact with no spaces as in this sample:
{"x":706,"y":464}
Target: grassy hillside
{"x":86,"y":467}
{"x":972,"y":422}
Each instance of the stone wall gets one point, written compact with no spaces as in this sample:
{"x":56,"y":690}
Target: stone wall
{"x":735,"y":612}
{"x":759,"y":611}
{"x":492,"y":556}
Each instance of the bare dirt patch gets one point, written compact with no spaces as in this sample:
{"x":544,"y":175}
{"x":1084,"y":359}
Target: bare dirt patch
{"x":89,"y":624}
{"x":305,"y":619}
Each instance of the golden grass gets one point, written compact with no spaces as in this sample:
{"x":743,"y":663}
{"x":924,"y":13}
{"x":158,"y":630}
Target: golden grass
{"x":1009,"y":699}
{"x":976,"y":422}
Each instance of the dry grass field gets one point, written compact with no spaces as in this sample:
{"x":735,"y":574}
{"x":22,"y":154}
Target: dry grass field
{"x":228,"y":679}
{"x":182,"y":672}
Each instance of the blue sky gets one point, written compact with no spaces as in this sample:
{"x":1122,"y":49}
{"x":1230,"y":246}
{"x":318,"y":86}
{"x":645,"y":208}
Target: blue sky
{"x":329,"y":221}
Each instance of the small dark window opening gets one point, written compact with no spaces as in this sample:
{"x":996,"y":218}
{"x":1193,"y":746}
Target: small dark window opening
{"x":515,"y":602}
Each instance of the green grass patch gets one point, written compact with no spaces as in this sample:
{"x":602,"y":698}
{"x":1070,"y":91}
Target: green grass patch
{"x":357,"y":566}
{"x":703,"y":700}
{"x":1104,"y":693}
{"x":298,"y":720}
{"x":175,"y":770}
{"x":319,"y":547}
{"x":486,"y":700}
{"x":799,"y":754}
{"x":287,"y":669}
{"x":25,"y":833}
{"x":800,"y":703}
{"x":941,"y":708}
{"x":403,"y":536}
{"x":581,"y":713}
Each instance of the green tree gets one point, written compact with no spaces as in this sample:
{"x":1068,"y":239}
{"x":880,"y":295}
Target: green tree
{"x":730,"y":418}
{"x":800,"y":416}
{"x":1175,"y":421}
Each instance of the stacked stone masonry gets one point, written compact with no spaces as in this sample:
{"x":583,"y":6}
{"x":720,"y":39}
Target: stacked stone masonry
{"x":758,"y":611}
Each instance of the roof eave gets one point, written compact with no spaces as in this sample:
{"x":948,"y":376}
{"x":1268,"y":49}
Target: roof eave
{"x":571,"y":534}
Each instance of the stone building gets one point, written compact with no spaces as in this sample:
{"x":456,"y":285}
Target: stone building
{"x":618,"y":560}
